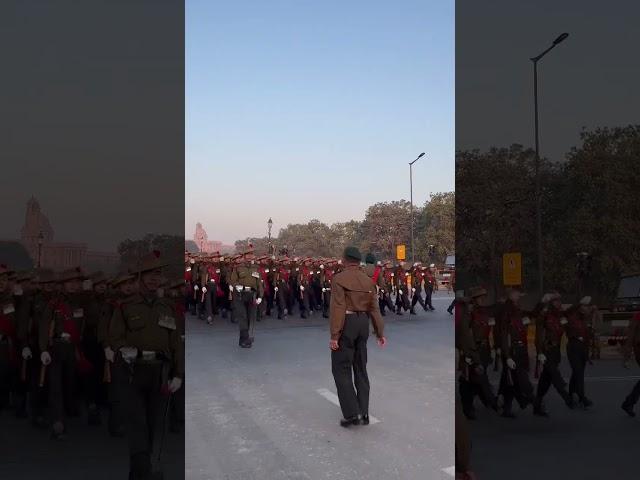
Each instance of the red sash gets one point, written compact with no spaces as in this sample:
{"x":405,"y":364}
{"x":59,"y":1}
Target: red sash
{"x":376,"y":274}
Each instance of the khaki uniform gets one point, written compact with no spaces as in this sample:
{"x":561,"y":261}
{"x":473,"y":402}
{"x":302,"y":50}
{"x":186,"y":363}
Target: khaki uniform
{"x":247,"y":288}
{"x":353,"y":304}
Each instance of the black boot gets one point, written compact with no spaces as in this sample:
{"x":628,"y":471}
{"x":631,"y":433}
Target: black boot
{"x":627,"y":407}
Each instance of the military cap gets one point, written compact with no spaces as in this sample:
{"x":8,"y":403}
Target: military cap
{"x":121,"y":278}
{"x":98,"y":277}
{"x":4,"y":270}
{"x":24,"y":276}
{"x":71,"y":274}
{"x":370,"y":258}
{"x":585,"y":300}
{"x":352,"y":253}
{"x":150,"y":262}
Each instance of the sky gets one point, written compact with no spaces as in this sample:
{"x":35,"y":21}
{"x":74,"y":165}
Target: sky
{"x":301,"y":109}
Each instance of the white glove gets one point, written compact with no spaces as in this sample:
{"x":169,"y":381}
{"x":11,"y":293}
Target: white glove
{"x":230,"y":288}
{"x":196,"y":287}
{"x":17,"y":290}
{"x":413,"y":290}
{"x":542,"y":358}
{"x":400,"y":292}
{"x":468,"y":360}
{"x":129,"y":354}
{"x":545,"y":298}
{"x":45,"y":358}
{"x":258,"y":301}
{"x":301,"y":288}
{"x":87,"y":285}
{"x":175,"y":384}
{"x":204,"y":289}
{"x":511,"y":364}
{"x":26,"y":353}
{"x":109,"y":354}
{"x":324,"y":290}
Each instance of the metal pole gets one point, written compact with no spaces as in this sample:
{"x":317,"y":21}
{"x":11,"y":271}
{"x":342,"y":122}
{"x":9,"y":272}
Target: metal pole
{"x":537,"y":174}
{"x":411,"y":190}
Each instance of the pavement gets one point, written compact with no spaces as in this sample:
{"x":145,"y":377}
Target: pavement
{"x":269,"y":412}
{"x":592,"y":444}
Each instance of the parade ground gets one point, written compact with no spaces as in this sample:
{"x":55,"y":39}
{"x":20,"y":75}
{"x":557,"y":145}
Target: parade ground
{"x":511,"y":445}
{"x":270,"y":412}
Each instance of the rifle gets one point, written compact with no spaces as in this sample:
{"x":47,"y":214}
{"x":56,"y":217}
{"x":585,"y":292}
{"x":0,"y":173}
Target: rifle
{"x":536,"y":374}
{"x":496,"y":360}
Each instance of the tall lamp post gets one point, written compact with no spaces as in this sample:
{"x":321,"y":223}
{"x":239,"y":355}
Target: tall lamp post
{"x":269,"y":225}
{"x":40,"y":242}
{"x":535,"y":61}
{"x":413,"y":258}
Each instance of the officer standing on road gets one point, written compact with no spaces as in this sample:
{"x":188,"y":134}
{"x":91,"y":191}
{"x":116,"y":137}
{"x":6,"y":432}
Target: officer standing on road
{"x":246,"y":290}
{"x":353,"y":303}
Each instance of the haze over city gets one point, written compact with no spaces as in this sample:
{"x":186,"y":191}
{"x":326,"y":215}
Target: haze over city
{"x":300,"y":111}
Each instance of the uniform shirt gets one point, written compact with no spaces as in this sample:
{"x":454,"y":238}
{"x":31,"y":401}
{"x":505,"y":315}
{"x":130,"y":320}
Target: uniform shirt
{"x":8,"y":320}
{"x":247,"y":277}
{"x":578,"y":325}
{"x":632,"y":344}
{"x":353,"y":290}
{"x":371,"y":270}
{"x":481,"y":323}
{"x":148,"y":323}
{"x":549,"y":329}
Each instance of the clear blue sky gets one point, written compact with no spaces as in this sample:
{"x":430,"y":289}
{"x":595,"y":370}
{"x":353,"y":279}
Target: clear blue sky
{"x":301,"y":109}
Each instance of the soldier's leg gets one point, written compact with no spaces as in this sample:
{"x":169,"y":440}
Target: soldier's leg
{"x":506,"y":388}
{"x":114,"y":389}
{"x":326,"y":303}
{"x":208,"y":302}
{"x":56,"y":395}
{"x":342,"y":369}
{"x":5,"y":374}
{"x":135,"y":415}
{"x":361,"y":379}
{"x":429,"y":295}
{"x":398,"y":304}
{"x":240,"y":315}
{"x":632,"y":398}
{"x":414,"y":300}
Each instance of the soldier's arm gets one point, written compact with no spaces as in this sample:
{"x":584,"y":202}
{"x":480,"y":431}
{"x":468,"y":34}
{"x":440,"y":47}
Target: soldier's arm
{"x":104,"y":322}
{"x":117,"y":335}
{"x":337,"y":310}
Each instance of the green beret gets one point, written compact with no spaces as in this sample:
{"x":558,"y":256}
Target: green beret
{"x":352,"y":253}
{"x":370,"y":258}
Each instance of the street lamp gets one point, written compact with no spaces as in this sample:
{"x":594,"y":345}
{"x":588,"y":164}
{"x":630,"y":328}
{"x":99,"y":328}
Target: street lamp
{"x":413,"y":258}
{"x":535,"y":61}
{"x":269,"y":225}
{"x":40,"y":242}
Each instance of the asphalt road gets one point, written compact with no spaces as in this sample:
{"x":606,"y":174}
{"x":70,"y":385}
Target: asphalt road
{"x":267,"y":413}
{"x":596,"y":444}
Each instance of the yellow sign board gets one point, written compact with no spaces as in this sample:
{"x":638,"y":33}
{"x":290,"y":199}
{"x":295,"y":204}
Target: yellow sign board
{"x":401,"y":252}
{"x":512,"y":269}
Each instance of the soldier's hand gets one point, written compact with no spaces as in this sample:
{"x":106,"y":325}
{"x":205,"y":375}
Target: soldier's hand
{"x":175,"y":384}
{"x":511,"y":364}
{"x":258,"y":301}
{"x":625,"y":364}
{"x":333,"y":345}
{"x":45,"y":358}
{"x":542,"y":358}
{"x":109,"y":354}
{"x":382,"y":342}
{"x":26,"y":353}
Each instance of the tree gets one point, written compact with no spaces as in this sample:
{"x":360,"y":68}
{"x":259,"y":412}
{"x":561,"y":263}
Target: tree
{"x":436,"y":226}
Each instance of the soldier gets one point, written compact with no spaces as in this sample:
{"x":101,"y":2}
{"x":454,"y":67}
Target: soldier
{"x":429,"y":285}
{"x":373,"y":271}
{"x":8,"y":338}
{"x":514,"y":380}
{"x":579,"y":322}
{"x":481,"y":325}
{"x":144,"y":333}
{"x":549,"y":331}
{"x":417,"y":278}
{"x":247,"y":292}
{"x":388,"y":277}
{"x":59,"y":340}
{"x":402,"y":300}
{"x":353,"y":304}
{"x":632,"y":347}
{"x":174,"y":292}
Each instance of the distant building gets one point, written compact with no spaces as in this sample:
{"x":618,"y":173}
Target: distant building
{"x":37,"y":238}
{"x":203,"y":244}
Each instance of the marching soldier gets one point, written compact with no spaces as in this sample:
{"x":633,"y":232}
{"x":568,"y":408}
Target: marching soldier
{"x":632,"y":347}
{"x":402,"y":300}
{"x":144,"y":333}
{"x":247,"y":292}
{"x":353,"y":305}
{"x":579,"y":322}
{"x":417,"y":278}
{"x":514,"y":380}
{"x":387,"y":289}
{"x":480,"y":325}
{"x":8,"y":338}
{"x":549,"y":331}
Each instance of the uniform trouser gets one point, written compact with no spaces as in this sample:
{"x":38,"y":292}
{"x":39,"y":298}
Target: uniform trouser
{"x":402,"y":301}
{"x":281,"y":298}
{"x":463,"y":441}
{"x":316,"y":291}
{"x":477,"y":383}
{"x":349,"y":366}
{"x":62,"y":377}
{"x":143,"y":409}
{"x":385,"y":300}
{"x":177,"y":408}
{"x":7,"y":374}
{"x":326,"y":302}
{"x":516,"y":383}
{"x":578,"y":354}
{"x":211,"y":300}
{"x":634,"y":395}
{"x":244,"y":311}
{"x":453,"y":304}
{"x":92,"y":381}
{"x":428,"y":296}
{"x":551,"y":375}
{"x":417,"y":298}
{"x":114,"y":395}
{"x":303,"y":300}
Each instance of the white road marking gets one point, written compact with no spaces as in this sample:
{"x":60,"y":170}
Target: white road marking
{"x":610,"y":379}
{"x":450,"y":471}
{"x":333,"y":398}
